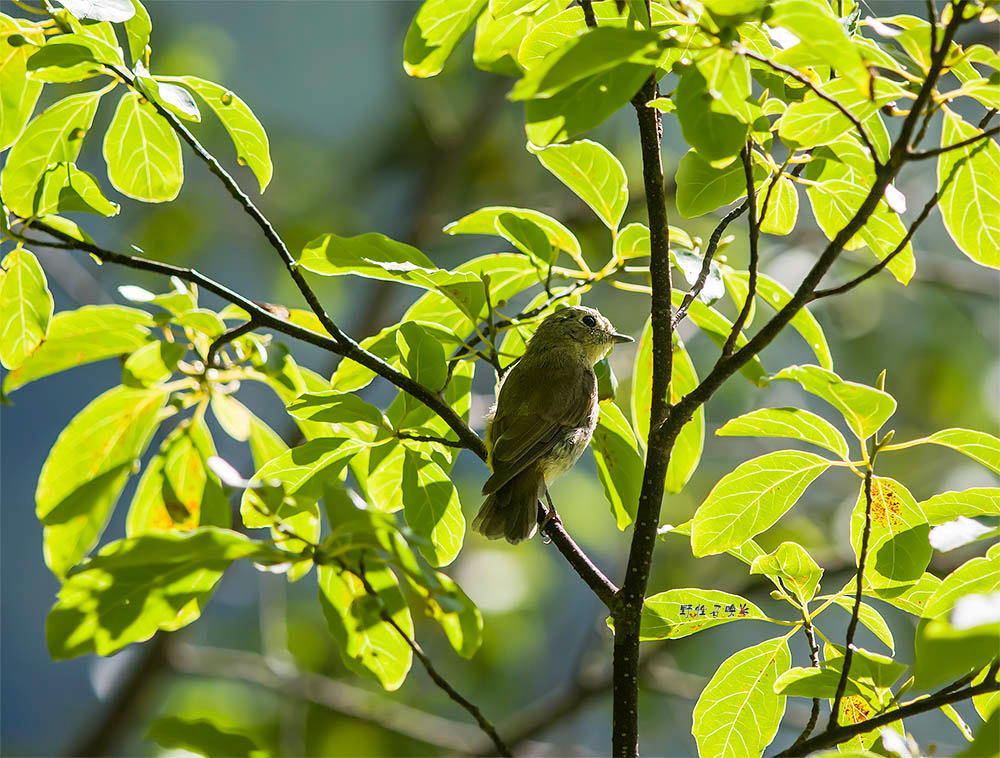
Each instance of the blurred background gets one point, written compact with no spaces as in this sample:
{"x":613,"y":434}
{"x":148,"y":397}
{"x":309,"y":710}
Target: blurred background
{"x":358,"y":147}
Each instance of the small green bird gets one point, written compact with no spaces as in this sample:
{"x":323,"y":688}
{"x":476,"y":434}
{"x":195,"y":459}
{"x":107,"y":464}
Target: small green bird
{"x":543,"y":419}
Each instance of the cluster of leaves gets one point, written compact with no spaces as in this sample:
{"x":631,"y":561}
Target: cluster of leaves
{"x":751,"y":79}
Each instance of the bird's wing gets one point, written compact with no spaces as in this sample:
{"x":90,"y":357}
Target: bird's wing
{"x":532,"y":415}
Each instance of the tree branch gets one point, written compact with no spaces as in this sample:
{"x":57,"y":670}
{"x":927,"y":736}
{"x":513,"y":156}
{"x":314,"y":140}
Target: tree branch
{"x":225,"y":338}
{"x":628,"y":608}
{"x":803,"y":79}
{"x":920,"y":155}
{"x":753,"y":221}
{"x":839,"y":734}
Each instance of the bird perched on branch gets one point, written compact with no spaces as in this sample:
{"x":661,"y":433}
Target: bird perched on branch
{"x":543,"y":419}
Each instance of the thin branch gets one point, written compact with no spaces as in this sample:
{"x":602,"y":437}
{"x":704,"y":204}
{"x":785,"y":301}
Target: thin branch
{"x":225,"y":338}
{"x":838,"y":734}
{"x":803,"y":79}
{"x":922,"y":154}
{"x":588,"y":13}
{"x":754,"y":223}
{"x":429,"y":438}
{"x":810,"y":632}
{"x":603,"y":587}
{"x":932,"y":20}
{"x":859,"y":587}
{"x":435,"y":676}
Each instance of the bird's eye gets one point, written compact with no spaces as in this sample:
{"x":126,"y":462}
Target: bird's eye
{"x":589,"y":320}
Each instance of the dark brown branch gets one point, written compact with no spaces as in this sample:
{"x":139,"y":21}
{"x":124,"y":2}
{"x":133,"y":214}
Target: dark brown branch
{"x":839,"y":734}
{"x":428,"y":438}
{"x":810,"y":632}
{"x":753,"y":221}
{"x":588,"y":13}
{"x":803,"y":79}
{"x":922,"y":154}
{"x":628,"y":608}
{"x":603,"y":587}
{"x":859,"y":582}
{"x":225,"y":338}
{"x":484,"y":723}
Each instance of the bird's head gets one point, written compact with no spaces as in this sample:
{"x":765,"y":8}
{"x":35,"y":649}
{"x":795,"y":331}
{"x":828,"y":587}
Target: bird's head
{"x":578,"y":328}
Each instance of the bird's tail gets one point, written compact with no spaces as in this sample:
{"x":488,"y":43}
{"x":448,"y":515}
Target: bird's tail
{"x":512,"y":510}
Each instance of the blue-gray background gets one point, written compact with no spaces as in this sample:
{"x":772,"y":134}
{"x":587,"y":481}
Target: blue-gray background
{"x":360,"y":147}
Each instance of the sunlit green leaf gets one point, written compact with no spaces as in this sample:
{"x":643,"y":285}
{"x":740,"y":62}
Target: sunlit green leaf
{"x":18,"y":93}
{"x":942,"y":653}
{"x":25,"y":307}
{"x":82,"y":336}
{"x":136,"y":586}
{"x":142,"y":152}
{"x":87,"y":467}
{"x":593,"y":173}
{"x":911,"y":598}
{"x":246,"y":132}
{"x":137,"y":31}
{"x":865,"y":409}
{"x":53,"y":136}
{"x":334,"y":407}
{"x":738,"y":712}
{"x":980,"y":501}
{"x":782,"y":207}
{"x":701,"y":188}
{"x":422,"y":355}
{"x":173,"y":97}
{"x":715,"y":135}
{"x":484,"y":221}
{"x":677,"y":613}
{"x":975,"y":576}
{"x":619,"y":464}
{"x":101,"y":10}
{"x":368,"y":644}
{"x":432,"y":508}
{"x":898,"y":550}
{"x":870,"y":618}
{"x":435,"y":31}
{"x":751,"y":498}
{"x":787,"y":422}
{"x":152,"y":363}
{"x":448,"y":604}
{"x":794,"y":566}
{"x":65,"y":189}
{"x":980,"y":446}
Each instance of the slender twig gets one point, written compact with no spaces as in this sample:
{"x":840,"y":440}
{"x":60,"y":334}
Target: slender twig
{"x":858,"y":590}
{"x":429,"y":438}
{"x":435,"y":676}
{"x":810,"y":632}
{"x":920,"y":155}
{"x":706,"y":262}
{"x":225,"y":338}
{"x":803,"y":79}
{"x":588,"y":13}
{"x":754,"y":223}
{"x":932,"y":20}
{"x":838,"y":734}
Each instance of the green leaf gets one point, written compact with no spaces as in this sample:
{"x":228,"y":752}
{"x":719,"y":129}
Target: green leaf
{"x":716,"y":136}
{"x":172,"y":97}
{"x":812,"y":681}
{"x":289,"y":380}
{"x":701,"y":188}
{"x":527,"y":237}
{"x":593,"y":52}
{"x":782,"y":208}
{"x":987,"y":741}
{"x":142,"y":152}
{"x":865,"y":408}
{"x":498,"y":39}
{"x":65,"y":189}
{"x":822,"y":39}
{"x":484,"y":221}
{"x":898,"y":550}
{"x":794,"y":566}
{"x":422,"y":355}
{"x":979,"y":576}
{"x":87,"y":467}
{"x":449,"y":606}
{"x":593,"y":173}
{"x":583,"y":105}
{"x":54,"y":136}
{"x":72,"y":58}
{"x":152,"y":363}
{"x":202,"y":737}
{"x":432,"y":508}
{"x":980,"y":501}
{"x":787,"y":422}
{"x":738,"y":712}
{"x":25,"y":307}
{"x":751,"y":498}
{"x":677,"y":613}
{"x":232,"y":415}
{"x":911,"y":598}
{"x":435,"y":31}
{"x":980,"y":446}
{"x":368,"y":644}
{"x":813,"y":121}
{"x":265,"y":443}
{"x":619,"y":464}
{"x":246,"y":132}
{"x":101,"y":10}
{"x":18,"y":93}
{"x":177,"y":491}
{"x":777,"y":297}
{"x":136,"y":586}
{"x":137,"y":31}
{"x":942,"y":653}
{"x":870,"y":618}
{"x":379,"y":471}
{"x":337,"y":408}
{"x":843,"y":174}
{"x":687,"y":448}
{"x":76,"y":337}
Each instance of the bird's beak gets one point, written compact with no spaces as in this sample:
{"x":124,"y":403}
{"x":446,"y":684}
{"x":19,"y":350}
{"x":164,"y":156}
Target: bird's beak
{"x":619,"y":338}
